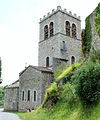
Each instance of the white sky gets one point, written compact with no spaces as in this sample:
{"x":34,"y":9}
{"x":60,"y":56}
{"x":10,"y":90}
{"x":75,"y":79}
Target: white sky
{"x":19,"y":30}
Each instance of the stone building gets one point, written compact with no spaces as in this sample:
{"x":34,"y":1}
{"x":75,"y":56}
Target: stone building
{"x":32,"y":87}
{"x":12,"y":96}
{"x":59,"y":42}
{"x":95,"y":37}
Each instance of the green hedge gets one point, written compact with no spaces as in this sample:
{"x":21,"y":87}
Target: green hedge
{"x":87,"y":81}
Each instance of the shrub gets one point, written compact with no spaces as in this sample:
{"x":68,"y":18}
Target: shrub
{"x":67,"y":78}
{"x":68,"y":95}
{"x":87,"y":82}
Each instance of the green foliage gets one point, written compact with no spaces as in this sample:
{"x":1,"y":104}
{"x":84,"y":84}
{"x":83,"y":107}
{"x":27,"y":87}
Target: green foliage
{"x":60,"y":70}
{"x":87,"y":80}
{"x":67,"y":78}
{"x":68,"y":95}
{"x":87,"y":44}
{"x":94,"y":55}
{"x":97,"y":19}
{"x":1,"y":96}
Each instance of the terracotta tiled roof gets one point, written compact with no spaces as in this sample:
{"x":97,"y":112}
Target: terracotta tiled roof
{"x":44,"y":69}
{"x":14,"y":85}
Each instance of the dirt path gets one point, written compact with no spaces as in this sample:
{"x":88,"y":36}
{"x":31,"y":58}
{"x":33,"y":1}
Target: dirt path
{"x":8,"y":116}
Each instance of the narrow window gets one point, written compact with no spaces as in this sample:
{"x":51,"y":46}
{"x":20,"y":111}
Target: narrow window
{"x":46,"y":32}
{"x":63,"y":44}
{"x":23,"y":96}
{"x":28,"y":95}
{"x":51,"y":29}
{"x":74,"y":30}
{"x":34,"y":96}
{"x":67,"y":28}
{"x":47,"y":61}
{"x":72,"y":60}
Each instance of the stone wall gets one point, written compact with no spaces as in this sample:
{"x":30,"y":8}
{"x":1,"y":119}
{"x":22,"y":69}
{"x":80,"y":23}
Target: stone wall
{"x":30,"y":80}
{"x":11,"y":99}
{"x":47,"y":80}
{"x":95,"y":36}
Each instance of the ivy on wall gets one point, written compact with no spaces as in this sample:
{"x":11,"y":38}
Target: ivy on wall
{"x":97,"y":19}
{"x":86,"y":37}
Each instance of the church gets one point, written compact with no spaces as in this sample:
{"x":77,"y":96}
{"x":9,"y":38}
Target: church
{"x":59,"y":42}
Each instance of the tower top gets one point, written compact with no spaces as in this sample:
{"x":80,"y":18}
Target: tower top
{"x":61,"y":10}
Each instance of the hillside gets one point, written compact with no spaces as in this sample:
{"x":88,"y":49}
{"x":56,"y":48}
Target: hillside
{"x":69,"y":106}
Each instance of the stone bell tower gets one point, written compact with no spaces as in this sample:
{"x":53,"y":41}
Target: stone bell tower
{"x":60,"y":37}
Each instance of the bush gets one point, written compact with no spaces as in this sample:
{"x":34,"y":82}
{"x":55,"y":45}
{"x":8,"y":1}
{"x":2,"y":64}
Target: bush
{"x":68,"y":95}
{"x":87,"y":83}
{"x":67,"y":78}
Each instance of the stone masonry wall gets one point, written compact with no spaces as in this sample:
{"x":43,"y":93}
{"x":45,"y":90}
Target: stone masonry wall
{"x":95,"y":36}
{"x":30,"y":80}
{"x":47,"y":80}
{"x":11,"y":99}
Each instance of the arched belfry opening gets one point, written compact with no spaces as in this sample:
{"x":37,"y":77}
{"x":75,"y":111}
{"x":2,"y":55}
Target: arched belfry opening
{"x":73,"y":30}
{"x":51,"y":29}
{"x":67,"y":28}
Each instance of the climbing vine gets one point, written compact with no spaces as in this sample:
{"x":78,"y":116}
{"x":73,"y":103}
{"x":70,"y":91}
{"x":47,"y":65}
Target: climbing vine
{"x":97,"y":19}
{"x":86,"y":37}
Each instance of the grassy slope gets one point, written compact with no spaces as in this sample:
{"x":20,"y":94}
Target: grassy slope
{"x":63,"y":111}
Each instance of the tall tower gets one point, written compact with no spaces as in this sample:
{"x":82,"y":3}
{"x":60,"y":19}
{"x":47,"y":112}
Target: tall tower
{"x":60,"y":37}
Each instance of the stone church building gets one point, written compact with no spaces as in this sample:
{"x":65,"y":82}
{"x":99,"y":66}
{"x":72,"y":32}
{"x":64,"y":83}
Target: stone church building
{"x":59,"y":41}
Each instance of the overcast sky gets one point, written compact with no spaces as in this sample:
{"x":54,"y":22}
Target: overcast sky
{"x":19,"y":30}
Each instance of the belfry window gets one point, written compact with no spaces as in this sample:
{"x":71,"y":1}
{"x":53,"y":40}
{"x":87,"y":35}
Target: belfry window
{"x":67,"y":28}
{"x":34,"y":96}
{"x":47,"y":61}
{"x":72,"y":60}
{"x":28,"y":95}
{"x":51,"y":29}
{"x":46,"y":32}
{"x":74,"y":30}
{"x":23,"y":96}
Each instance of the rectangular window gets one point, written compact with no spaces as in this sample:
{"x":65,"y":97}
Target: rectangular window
{"x":23,"y":96}
{"x":34,"y":96}
{"x":28,"y":95}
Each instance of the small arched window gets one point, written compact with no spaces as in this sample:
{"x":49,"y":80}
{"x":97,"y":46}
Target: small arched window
{"x":67,"y":28}
{"x":34,"y":96}
{"x":46,"y":32}
{"x":72,"y":60}
{"x":74,"y":30}
{"x":47,"y":61}
{"x":28,"y":98}
{"x":51,"y":29}
{"x":23,"y":96}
